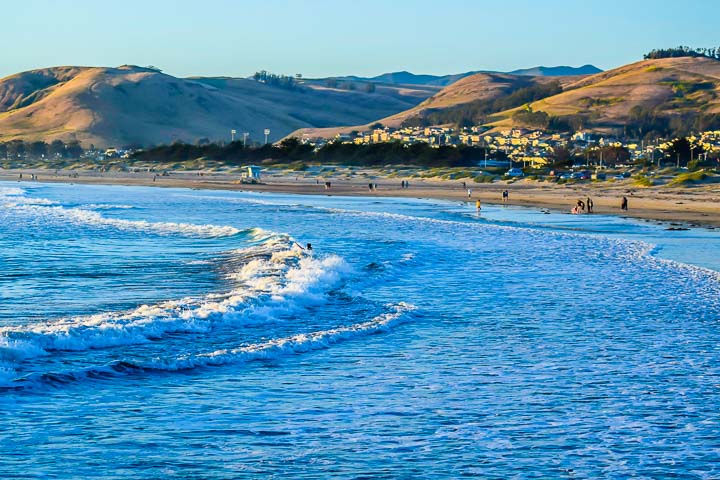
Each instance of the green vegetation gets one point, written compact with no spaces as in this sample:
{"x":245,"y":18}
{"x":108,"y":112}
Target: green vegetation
{"x":688,"y":178}
{"x":682,"y":88}
{"x":650,"y":122}
{"x":476,"y":112}
{"x":528,"y":118}
{"x":18,"y":149}
{"x":683,"y":51}
{"x":274,"y":80}
{"x":642,"y":181}
{"x":291,"y":150}
{"x":589,"y":102}
{"x":483,"y":178}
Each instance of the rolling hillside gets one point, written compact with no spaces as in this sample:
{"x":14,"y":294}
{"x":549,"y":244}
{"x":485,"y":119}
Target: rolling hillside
{"x":669,"y":86}
{"x":478,"y":87}
{"x":135,"y":105}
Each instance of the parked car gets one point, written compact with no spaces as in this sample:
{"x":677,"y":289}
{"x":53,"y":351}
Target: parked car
{"x":515,"y":172}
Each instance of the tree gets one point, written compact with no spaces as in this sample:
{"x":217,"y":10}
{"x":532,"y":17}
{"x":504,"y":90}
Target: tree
{"x":16,"y":149}
{"x":38,"y":149}
{"x":562,"y":157}
{"x":3,"y":151}
{"x":73,"y":149}
{"x":57,"y":149}
{"x":527,"y":117}
{"x":681,"y":150}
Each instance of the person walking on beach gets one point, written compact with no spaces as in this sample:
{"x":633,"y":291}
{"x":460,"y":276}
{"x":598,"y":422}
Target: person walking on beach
{"x":589,"y":204}
{"x":478,"y":206}
{"x":505,"y":195}
{"x":624,"y":204}
{"x":469,"y":192}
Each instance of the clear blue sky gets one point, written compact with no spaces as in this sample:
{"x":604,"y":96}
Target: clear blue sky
{"x":325,"y":38}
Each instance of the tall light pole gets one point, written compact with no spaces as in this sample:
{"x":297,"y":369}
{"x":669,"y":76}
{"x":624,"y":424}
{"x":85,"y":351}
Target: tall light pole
{"x":232,"y":135}
{"x":267,"y":132}
{"x":245,"y":136}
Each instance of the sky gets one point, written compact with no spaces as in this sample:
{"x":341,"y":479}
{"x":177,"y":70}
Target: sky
{"x":320,"y":38}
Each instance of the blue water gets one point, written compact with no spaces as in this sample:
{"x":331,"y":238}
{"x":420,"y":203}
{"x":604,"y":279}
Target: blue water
{"x":169,"y":333}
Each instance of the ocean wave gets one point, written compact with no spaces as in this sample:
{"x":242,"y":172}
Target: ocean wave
{"x":271,"y":349}
{"x":11,"y":191}
{"x":88,"y":217}
{"x":15,"y":199}
{"x":107,"y":206}
{"x":272,"y":279}
{"x":294,"y":344}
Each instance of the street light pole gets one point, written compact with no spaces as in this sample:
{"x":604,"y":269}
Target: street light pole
{"x":232,"y":135}
{"x":245,"y":136}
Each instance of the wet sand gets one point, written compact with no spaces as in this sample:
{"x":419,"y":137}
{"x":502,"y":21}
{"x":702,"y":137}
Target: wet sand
{"x":687,"y":206}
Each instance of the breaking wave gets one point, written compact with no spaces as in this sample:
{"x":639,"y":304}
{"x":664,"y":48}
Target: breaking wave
{"x":15,"y":199}
{"x":271,"y":349}
{"x":272,"y":278}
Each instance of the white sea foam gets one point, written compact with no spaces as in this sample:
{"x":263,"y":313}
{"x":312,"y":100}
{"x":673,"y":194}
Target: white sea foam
{"x":11,"y":191}
{"x":276,"y":280}
{"x":15,"y":199}
{"x":107,"y":206}
{"x":294,"y":344}
{"x":89,"y":217}
{"x":271,"y":349}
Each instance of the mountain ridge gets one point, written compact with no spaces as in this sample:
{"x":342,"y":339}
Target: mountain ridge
{"x":408,"y":78}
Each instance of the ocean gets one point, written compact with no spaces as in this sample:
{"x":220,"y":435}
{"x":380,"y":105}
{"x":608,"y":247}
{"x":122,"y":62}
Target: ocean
{"x":177,"y":333}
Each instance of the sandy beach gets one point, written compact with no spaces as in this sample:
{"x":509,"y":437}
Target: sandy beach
{"x":680,"y":206}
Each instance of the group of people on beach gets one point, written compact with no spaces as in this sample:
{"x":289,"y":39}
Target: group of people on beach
{"x":583,"y":207}
{"x":588,"y":206}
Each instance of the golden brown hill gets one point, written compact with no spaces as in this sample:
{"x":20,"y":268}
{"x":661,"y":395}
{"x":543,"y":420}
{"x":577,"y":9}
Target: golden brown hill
{"x":134,"y":105}
{"x":669,"y":86}
{"x":477,"y":87}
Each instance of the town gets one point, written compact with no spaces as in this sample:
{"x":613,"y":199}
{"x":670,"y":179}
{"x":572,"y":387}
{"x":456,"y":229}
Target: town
{"x":519,"y":147}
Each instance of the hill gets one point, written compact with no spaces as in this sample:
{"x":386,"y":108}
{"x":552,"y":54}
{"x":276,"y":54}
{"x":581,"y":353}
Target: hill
{"x":408,"y":78}
{"x":650,"y":91}
{"x":662,"y":97}
{"x":480,"y":91}
{"x":562,"y":71}
{"x":135,"y":105}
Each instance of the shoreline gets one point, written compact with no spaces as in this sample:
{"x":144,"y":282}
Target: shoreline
{"x":680,"y":207}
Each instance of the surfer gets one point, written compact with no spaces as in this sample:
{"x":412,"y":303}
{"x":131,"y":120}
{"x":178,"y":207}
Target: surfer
{"x":307,"y":248}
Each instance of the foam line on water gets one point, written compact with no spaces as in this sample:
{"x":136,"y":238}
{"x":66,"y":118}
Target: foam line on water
{"x":300,"y":343}
{"x":272,"y":279}
{"x":271,"y":349}
{"x":40,"y":207}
